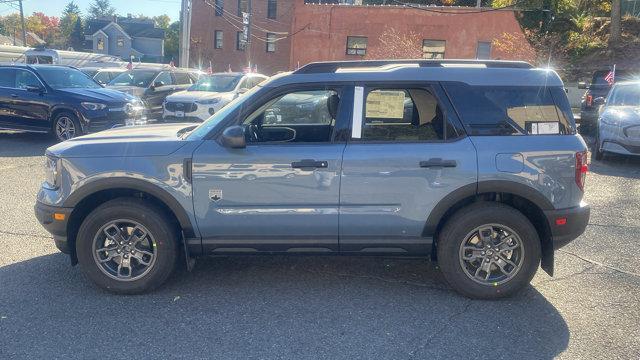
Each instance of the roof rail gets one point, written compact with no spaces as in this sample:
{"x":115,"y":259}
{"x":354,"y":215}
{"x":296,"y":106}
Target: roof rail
{"x":332,"y":66}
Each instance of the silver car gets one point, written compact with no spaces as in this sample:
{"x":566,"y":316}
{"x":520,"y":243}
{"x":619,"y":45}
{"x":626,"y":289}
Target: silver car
{"x":619,"y":121}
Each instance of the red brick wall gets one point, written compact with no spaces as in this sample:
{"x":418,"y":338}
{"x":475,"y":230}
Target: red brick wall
{"x":329,"y":26}
{"x":204,"y":23}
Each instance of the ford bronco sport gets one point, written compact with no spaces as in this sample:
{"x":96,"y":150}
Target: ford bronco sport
{"x":476,"y":165}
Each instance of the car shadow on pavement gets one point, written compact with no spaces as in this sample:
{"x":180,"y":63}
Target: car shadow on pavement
{"x":16,"y":144}
{"x":271,"y":307}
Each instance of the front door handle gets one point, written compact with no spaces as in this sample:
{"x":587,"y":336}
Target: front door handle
{"x":437,"y":162}
{"x":14,"y":95}
{"x":309,"y":164}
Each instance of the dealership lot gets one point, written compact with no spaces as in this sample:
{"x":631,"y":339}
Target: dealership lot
{"x":319,"y":307}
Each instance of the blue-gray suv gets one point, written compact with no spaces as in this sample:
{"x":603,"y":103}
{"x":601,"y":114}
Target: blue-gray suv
{"x":476,"y":165}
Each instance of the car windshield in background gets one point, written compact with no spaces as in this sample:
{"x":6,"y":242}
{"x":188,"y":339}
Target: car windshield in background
{"x":139,"y":78}
{"x":66,"y":78}
{"x":216,"y":83}
{"x":625,"y":95}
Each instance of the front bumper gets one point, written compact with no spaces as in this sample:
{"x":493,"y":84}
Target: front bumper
{"x":620,"y":140}
{"x":94,"y":121}
{"x":567,"y":224}
{"x":57,"y":227}
{"x":200,"y":114}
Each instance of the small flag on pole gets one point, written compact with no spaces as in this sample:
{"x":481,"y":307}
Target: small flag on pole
{"x":171,"y":63}
{"x":130,"y":64}
{"x":210,"y":69}
{"x":611,"y":76}
{"x":229,"y":70}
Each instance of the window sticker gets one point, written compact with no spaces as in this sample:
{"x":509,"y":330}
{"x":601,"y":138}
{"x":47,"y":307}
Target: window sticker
{"x":387,"y":104}
{"x":544,"y":128}
{"x":356,"y":123}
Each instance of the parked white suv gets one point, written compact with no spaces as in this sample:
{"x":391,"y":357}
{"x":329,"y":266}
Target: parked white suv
{"x":208,"y":95}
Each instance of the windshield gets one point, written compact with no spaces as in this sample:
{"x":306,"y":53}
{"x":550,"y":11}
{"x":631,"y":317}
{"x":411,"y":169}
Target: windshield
{"x":66,"y":78}
{"x":216,"y":83}
{"x":139,"y":78}
{"x":201,"y":131}
{"x":625,"y":95}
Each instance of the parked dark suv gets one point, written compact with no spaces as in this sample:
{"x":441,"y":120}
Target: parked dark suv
{"x":474,"y":164}
{"x":61,"y":100}
{"x":593,"y":98}
{"x":154,"y":84}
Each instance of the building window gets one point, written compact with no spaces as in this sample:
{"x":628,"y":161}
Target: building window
{"x":239,"y":41}
{"x":120,"y":41}
{"x":356,"y":45}
{"x":100,"y":44}
{"x":433,"y":49}
{"x":272,"y":9}
{"x":271,"y":42}
{"x":483,"y":51}
{"x":219,"y":4}
{"x":217,"y":39}
{"x":242,"y":7}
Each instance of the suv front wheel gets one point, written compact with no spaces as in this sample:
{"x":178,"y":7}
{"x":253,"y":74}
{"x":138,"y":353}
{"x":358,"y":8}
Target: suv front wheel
{"x":488,"y":250}
{"x":66,"y":126}
{"x":127,"y":246}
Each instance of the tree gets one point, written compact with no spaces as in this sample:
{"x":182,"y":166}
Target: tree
{"x":47,"y":27}
{"x":76,"y":38}
{"x":101,"y":9}
{"x":70,"y":14}
{"x":172,"y":41}
{"x":394,"y":44}
{"x":162,"y":21}
{"x":615,"y":22}
{"x":12,"y":26}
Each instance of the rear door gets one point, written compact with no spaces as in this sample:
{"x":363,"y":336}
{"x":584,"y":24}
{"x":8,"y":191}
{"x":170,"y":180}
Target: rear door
{"x":407,"y":152}
{"x":7,"y":84}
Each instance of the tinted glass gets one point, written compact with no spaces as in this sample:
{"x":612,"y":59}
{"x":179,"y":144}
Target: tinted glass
{"x":139,"y":78}
{"x":510,"y":110}
{"x":182,"y":78}
{"x":26,"y":78}
{"x":402,"y":115}
{"x":66,"y":78}
{"x":620,"y":75}
{"x":625,"y":95}
{"x":216,"y":83}
{"x":102,"y":77}
{"x":164,"y":78}
{"x":7,"y":78}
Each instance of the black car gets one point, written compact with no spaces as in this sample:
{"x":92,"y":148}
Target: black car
{"x":61,"y":100}
{"x":596,"y":92}
{"x":154,"y":84}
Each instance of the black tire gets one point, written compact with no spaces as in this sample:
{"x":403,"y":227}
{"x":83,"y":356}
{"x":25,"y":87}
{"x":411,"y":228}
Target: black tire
{"x":163,"y":230}
{"x":66,"y":116}
{"x":465,"y":221}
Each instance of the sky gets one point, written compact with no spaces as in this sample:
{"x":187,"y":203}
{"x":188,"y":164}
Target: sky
{"x":135,"y":7}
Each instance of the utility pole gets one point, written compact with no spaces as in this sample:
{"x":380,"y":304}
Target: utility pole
{"x":185,"y":33}
{"x":246,"y":32}
{"x":24,"y":31}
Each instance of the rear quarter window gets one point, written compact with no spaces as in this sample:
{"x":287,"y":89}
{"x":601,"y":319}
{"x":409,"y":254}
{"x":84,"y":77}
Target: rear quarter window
{"x":512,"y":110}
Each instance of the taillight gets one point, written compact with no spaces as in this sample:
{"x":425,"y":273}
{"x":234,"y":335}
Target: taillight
{"x":589,"y":100}
{"x":581,"y":169}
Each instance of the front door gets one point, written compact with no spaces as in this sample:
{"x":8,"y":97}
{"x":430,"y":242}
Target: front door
{"x":405,"y":155}
{"x":30,"y":109}
{"x":162,"y":86}
{"x":281,"y":192}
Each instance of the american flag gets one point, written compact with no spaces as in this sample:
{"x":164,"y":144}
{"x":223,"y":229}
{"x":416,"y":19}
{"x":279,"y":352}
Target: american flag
{"x":611,"y":76}
{"x":210,"y":69}
{"x":130,"y":64}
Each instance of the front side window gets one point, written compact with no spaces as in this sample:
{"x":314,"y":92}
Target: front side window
{"x":483,"y":52}
{"x":433,"y":49}
{"x":301,"y":116}
{"x":272,"y":9}
{"x":271,"y":42}
{"x":511,"y":110}
{"x":26,"y":78}
{"x":7,"y":78}
{"x":402,"y":115}
{"x":217,"y":42}
{"x":163,"y":79}
{"x":357,"y":45}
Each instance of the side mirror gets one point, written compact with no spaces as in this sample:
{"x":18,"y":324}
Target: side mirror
{"x":599,"y":101}
{"x":34,"y":89}
{"x":233,"y":137}
{"x":582,"y":85}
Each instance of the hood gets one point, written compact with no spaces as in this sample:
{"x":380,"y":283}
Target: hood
{"x":623,"y":115}
{"x":188,"y":96}
{"x":149,"y":140}
{"x":132,"y":90}
{"x":101,"y":94}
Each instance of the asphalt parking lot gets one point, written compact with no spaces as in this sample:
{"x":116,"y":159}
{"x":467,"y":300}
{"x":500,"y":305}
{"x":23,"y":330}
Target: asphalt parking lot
{"x":319,"y":307}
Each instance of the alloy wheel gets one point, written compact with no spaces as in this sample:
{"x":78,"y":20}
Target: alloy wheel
{"x":491,"y":254}
{"x":65,"y":128}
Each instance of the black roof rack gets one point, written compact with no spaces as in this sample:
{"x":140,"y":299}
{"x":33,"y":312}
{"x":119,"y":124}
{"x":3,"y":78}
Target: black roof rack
{"x":332,"y":66}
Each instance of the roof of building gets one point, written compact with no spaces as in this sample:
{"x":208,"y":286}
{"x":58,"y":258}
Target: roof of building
{"x":133,"y":27}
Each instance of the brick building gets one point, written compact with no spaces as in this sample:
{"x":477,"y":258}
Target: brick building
{"x":289,"y":33}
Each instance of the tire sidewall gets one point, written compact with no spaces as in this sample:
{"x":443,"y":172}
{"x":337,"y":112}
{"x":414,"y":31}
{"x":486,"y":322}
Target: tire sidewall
{"x":73,"y":118}
{"x":156,"y":223}
{"x":459,"y":226}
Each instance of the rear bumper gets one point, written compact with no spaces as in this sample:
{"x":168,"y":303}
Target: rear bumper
{"x":57,"y":228}
{"x":574,"y":223}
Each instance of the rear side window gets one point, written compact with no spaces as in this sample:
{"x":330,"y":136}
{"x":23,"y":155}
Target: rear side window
{"x":7,"y":78}
{"x":182,"y":78}
{"x":511,"y":110}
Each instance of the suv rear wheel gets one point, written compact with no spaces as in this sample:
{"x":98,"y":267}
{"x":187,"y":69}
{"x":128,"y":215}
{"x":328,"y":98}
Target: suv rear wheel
{"x":488,"y":251}
{"x":66,"y":126}
{"x":127,"y":246}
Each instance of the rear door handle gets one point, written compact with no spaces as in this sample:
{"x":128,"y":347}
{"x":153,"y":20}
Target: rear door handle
{"x":309,"y":164}
{"x":437,"y":162}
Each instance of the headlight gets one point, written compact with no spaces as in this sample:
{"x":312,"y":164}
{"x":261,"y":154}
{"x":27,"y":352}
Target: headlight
{"x":208,"y":101}
{"x":93,"y":106}
{"x":52,"y":172}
